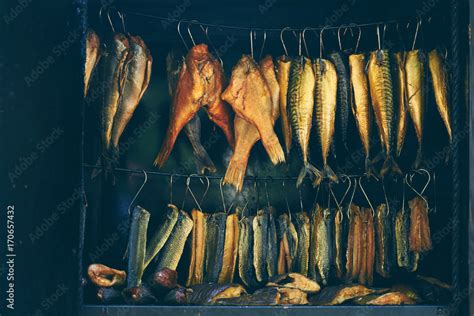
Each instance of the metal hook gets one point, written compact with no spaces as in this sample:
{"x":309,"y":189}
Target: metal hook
{"x":352,"y":198}
{"x":188,"y":182}
{"x":347,"y":190}
{"x":286,"y":200}
{"x":207,"y":188}
{"x":122,"y":18}
{"x":334,"y":197}
{"x":339,"y":35}
{"x":181,"y":35}
{"x":299,"y":43}
{"x":282,"y":41}
{"x":304,"y":40}
{"x":263,"y":44}
{"x":365,"y":195}
{"x":139,"y":190}
{"x":418,"y":193}
{"x":251,"y":42}
{"x":110,"y":20}
{"x":386,"y":199}
{"x":418,"y":24}
{"x":378,"y":37}
{"x":301,"y":200}
{"x":171,"y":189}
{"x":434,"y":193}
{"x":189,"y":30}
{"x":358,"y":37}
{"x":321,"y":43}
{"x":222,"y":194}
{"x":266,"y":193}
{"x":206,"y":32}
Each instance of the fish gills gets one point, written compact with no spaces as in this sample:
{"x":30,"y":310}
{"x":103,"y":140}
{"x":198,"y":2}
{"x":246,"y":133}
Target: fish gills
{"x":198,"y":248}
{"x":381,"y":92}
{"x":174,"y":246}
{"x":384,"y":240}
{"x":137,"y":73}
{"x":215,"y":240}
{"x":93,"y":54}
{"x":324,"y":256}
{"x":439,"y":77}
{"x":415,"y":73}
{"x":272,"y":253}
{"x":360,"y":101}
{"x":400,"y":58}
{"x":246,"y":269}
{"x":230,"y":249}
{"x":284,"y":66}
{"x":325,"y":110}
{"x":339,"y":59}
{"x":114,"y":62}
{"x":300,"y":109}
{"x":162,"y":234}
{"x":137,"y":246}
{"x":303,"y":231}
{"x":340,"y":245}
{"x":260,"y":245}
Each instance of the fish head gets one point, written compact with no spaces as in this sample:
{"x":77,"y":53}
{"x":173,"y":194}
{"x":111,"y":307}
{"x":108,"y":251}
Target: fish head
{"x":120,"y":45}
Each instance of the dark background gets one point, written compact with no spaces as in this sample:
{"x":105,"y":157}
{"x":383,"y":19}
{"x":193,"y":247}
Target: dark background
{"x":47,"y":37}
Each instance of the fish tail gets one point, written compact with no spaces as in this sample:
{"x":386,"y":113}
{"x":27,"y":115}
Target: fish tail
{"x":390,"y":165}
{"x":235,"y":174}
{"x":274,"y":150}
{"x":329,"y":174}
{"x":203,"y":162}
{"x":308,"y":169}
{"x":369,"y":168}
{"x":165,"y":151}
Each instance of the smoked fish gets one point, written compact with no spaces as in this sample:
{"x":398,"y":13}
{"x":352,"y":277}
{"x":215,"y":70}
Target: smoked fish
{"x":302,"y":253}
{"x":245,"y":256}
{"x":384,"y":241}
{"x":260,"y":245}
{"x":251,"y":98}
{"x":325,"y":111}
{"x":215,"y":241}
{"x":137,"y":246}
{"x":415,"y":74}
{"x":294,"y":281}
{"x":381,"y":92}
{"x":335,"y":295}
{"x":439,"y":77}
{"x":93,"y":54}
{"x":288,"y":239}
{"x":420,"y":235}
{"x":198,"y":248}
{"x":105,"y":277}
{"x":284,"y":66}
{"x":231,"y":245}
{"x":400,"y":58}
{"x":272,"y":248}
{"x":340,"y":245}
{"x":405,"y":258}
{"x":204,"y":294}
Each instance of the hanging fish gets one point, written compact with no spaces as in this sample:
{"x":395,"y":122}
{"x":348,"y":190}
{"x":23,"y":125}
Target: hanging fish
{"x":384,"y":240}
{"x":324,"y":245}
{"x":284,"y":67}
{"x":339,"y":60}
{"x":381,"y":92}
{"x":420,"y":235}
{"x":93,"y":54}
{"x":415,"y":74}
{"x":231,"y":245}
{"x":260,"y":245}
{"x":272,"y":253}
{"x":215,"y":240}
{"x":360,"y":102}
{"x":300,"y":109}
{"x":439,"y":76}
{"x":325,"y":111}
{"x":245,"y":266}
{"x":400,"y":58}
{"x":367,"y":246}
{"x":302,"y":253}
{"x":405,"y":258}
{"x":288,"y":238}
{"x":354,"y":247}
{"x":340,"y":244}
{"x":198,"y":248}
{"x":137,"y":246}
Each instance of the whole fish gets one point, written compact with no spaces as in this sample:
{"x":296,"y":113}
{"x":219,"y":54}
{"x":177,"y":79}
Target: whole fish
{"x":384,"y":241}
{"x":284,"y":66}
{"x":288,"y":239}
{"x":245,"y":262}
{"x":400,"y":58}
{"x":137,"y":73}
{"x":137,"y":246}
{"x":272,"y":253}
{"x":93,"y":54}
{"x":340,"y":245}
{"x":381,"y":92}
{"x":231,"y":245}
{"x":420,"y":235}
{"x":325,"y":111}
{"x":174,"y":246}
{"x":115,"y":59}
{"x":360,"y":102}
{"x":193,"y":129}
{"x":439,"y":76}
{"x":313,"y":243}
{"x":215,"y":240}
{"x":324,"y":246}
{"x":260,"y":245}
{"x":161,"y":235}
{"x":302,"y":253}
{"x":354,"y":247}
{"x":199,"y":85}
{"x":415,"y":74}
{"x":246,"y":134}
{"x":198,"y":248}
{"x":370,"y":247}
{"x":339,"y":60}
{"x":250,"y":96}
{"x":300,"y":109}
{"x":405,"y":258}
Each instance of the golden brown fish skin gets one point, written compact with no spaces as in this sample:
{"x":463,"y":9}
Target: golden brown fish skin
{"x":325,"y":110}
{"x":245,"y":262}
{"x":294,"y":280}
{"x":93,"y":54}
{"x":137,"y":74}
{"x":439,"y":77}
{"x":198,"y":248}
{"x":302,"y":256}
{"x":415,"y":74}
{"x":250,"y":97}
{"x":246,"y":134}
{"x":260,"y":245}
{"x":335,"y":295}
{"x":420,"y":235}
{"x":370,"y":250}
{"x":340,"y":244}
{"x":360,"y":104}
{"x":381,"y":92}
{"x":114,"y":62}
{"x":103,"y":276}
{"x":284,"y":65}
{"x":400,"y":58}
{"x":392,"y":298}
{"x":230,"y":249}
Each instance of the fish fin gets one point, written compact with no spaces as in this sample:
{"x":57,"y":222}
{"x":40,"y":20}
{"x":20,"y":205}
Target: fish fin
{"x":329,"y":174}
{"x":203,"y":162}
{"x":274,"y":150}
{"x":308,"y":169}
{"x":235,"y":174}
{"x":390,"y":165}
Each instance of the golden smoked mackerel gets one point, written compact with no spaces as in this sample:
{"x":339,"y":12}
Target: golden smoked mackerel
{"x":360,"y":103}
{"x":231,"y":245}
{"x":402,"y":122}
{"x":302,"y":253}
{"x":215,"y":240}
{"x":93,"y":53}
{"x":300,"y":108}
{"x":415,"y":73}
{"x":284,"y":66}
{"x":245,"y":262}
{"x":325,"y":111}
{"x":439,"y":77}
{"x":381,"y":92}
{"x":198,"y":248}
{"x":260,"y":245}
